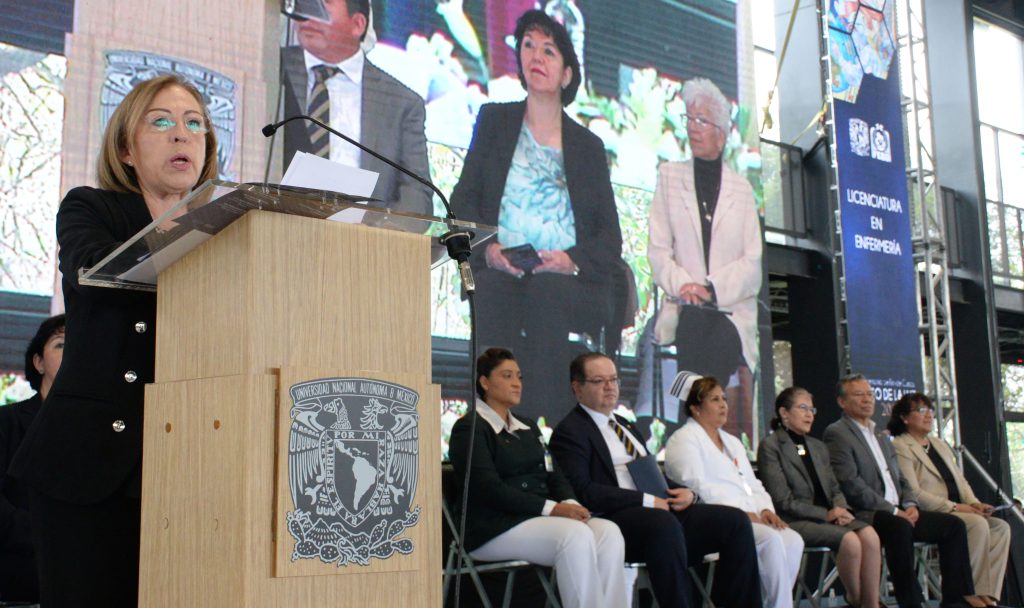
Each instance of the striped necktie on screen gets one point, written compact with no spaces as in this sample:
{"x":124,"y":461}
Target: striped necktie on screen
{"x":320,"y":109}
{"x":621,"y":434}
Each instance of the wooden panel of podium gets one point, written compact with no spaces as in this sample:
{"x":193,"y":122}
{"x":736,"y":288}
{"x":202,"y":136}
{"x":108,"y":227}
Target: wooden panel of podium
{"x":292,"y":403}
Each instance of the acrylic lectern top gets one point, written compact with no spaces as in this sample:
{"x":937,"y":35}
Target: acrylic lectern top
{"x":216,"y":204}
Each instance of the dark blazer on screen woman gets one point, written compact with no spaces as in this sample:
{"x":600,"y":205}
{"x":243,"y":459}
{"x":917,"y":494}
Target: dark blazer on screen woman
{"x":86,"y":442}
{"x":477,"y":196}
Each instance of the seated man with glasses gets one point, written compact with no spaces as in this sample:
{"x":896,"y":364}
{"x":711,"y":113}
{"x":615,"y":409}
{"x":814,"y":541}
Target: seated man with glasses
{"x":595,"y":449}
{"x":869,"y":476}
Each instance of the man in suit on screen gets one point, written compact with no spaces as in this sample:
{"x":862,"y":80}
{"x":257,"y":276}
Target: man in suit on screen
{"x":329,"y":78}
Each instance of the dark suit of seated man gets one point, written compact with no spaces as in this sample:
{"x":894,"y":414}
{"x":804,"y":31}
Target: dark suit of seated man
{"x":870,"y":478}
{"x":668,"y":534}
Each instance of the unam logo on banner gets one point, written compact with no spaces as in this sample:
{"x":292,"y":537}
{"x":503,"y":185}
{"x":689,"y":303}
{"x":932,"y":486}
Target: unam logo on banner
{"x":880,"y":148}
{"x":874,"y":142}
{"x":860,"y":140}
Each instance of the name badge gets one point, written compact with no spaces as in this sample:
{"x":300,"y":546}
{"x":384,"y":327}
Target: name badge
{"x":743,"y":478}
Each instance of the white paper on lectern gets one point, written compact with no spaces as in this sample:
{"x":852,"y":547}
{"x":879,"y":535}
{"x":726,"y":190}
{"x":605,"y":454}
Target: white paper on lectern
{"x":312,"y":171}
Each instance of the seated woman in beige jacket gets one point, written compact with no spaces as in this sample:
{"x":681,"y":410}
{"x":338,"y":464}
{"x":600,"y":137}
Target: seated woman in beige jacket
{"x":929,"y":465}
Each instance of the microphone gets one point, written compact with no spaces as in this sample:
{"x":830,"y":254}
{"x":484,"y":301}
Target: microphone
{"x":456,"y":241}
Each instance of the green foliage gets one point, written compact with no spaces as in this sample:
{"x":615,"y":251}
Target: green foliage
{"x":657,"y":439}
{"x":1013,"y":401}
{"x":1015,"y":443}
{"x":13,"y":388}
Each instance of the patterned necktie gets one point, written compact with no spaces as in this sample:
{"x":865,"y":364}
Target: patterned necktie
{"x":621,"y":434}
{"x":320,"y":109}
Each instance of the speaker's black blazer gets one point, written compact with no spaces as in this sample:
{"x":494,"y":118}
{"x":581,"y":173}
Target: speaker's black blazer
{"x":86,"y":442}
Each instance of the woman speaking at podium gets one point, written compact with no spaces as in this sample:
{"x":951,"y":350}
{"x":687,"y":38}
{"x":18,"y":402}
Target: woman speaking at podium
{"x":82,"y":457}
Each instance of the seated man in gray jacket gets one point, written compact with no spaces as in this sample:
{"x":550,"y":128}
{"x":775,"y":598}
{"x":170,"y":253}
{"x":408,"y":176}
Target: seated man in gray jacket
{"x":865,"y":465}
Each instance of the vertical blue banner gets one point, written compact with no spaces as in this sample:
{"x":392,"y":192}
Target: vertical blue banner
{"x":881,"y":302}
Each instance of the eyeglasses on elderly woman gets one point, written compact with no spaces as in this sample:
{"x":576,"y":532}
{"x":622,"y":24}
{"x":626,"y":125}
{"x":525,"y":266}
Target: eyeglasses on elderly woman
{"x":697,"y":122}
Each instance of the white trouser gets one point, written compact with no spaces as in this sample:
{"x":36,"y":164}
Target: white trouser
{"x":778,"y":563}
{"x":587,"y":557}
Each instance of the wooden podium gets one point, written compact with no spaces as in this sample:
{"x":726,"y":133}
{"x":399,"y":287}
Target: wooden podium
{"x":271,"y":302}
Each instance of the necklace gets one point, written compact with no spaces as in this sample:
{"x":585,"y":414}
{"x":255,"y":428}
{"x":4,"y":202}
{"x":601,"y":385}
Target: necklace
{"x":707,"y":213}
{"x":927,"y":447}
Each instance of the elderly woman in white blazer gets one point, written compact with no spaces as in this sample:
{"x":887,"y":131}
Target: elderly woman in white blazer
{"x":705,"y":250}
{"x":714,"y":465}
{"x":938,"y":484}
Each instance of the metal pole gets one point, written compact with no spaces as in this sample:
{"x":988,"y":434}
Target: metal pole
{"x":1007,"y":500}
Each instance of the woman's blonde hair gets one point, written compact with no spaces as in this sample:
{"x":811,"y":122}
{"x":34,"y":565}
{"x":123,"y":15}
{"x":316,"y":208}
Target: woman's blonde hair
{"x":113,"y":173}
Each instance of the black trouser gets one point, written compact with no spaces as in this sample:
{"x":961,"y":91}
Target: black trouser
{"x":532,"y":316}
{"x":898,"y":537}
{"x":88,"y":555}
{"x":19,"y":576}
{"x":656,"y":537}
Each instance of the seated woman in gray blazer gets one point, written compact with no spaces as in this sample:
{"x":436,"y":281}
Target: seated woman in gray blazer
{"x":938,"y":485}
{"x":794,"y":468}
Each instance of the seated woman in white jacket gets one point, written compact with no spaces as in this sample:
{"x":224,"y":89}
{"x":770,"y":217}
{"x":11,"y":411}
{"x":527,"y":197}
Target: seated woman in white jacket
{"x":714,"y":464}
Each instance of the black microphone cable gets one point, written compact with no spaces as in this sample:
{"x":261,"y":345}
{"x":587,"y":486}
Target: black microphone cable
{"x":470,"y":411}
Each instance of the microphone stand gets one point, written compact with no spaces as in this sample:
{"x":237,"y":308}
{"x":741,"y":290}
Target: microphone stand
{"x":457,"y":242}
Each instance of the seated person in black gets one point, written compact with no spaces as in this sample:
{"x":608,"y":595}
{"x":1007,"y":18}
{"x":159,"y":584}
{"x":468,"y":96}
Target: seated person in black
{"x":18,"y":578}
{"x":520,"y":505}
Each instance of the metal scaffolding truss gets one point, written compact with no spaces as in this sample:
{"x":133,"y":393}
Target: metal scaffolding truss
{"x":835,"y":228}
{"x":929,"y":229}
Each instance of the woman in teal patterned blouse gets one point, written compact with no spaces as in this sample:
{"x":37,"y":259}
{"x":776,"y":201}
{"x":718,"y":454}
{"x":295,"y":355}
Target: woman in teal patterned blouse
{"x":543,"y":179}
